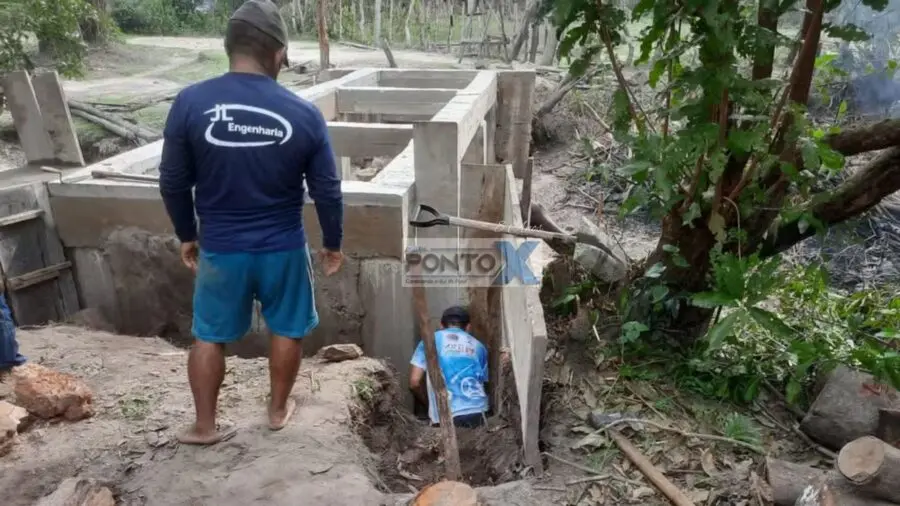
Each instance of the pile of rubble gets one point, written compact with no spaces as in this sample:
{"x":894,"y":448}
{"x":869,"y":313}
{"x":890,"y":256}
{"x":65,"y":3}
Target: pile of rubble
{"x":32,"y":392}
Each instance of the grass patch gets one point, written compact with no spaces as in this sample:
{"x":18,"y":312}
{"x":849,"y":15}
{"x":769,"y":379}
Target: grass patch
{"x":208,"y":64}
{"x":153,"y":117}
{"x":134,"y":408}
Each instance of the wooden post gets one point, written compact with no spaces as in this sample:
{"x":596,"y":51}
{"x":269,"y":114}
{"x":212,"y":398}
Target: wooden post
{"x":324,"y":53}
{"x":453,"y":471}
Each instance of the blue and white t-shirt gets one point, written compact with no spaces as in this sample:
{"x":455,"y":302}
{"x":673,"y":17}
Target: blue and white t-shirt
{"x":464,"y":362}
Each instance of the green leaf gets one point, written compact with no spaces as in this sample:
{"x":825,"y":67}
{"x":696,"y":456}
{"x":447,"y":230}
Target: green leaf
{"x":717,"y":226}
{"x":655,"y":270}
{"x":717,"y":334}
{"x":712,"y":300}
{"x":693,"y":212}
{"x":792,"y":390}
{"x":564,"y":300}
{"x":659,"y":67}
{"x":771,"y":322}
{"x":658,"y":293}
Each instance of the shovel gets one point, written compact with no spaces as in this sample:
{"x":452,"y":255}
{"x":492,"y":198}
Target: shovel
{"x":589,"y":250}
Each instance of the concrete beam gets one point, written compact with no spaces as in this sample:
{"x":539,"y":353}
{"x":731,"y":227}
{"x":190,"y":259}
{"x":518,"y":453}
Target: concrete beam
{"x":431,"y":78}
{"x":381,"y":100}
{"x":375,"y":218}
{"x":323,"y":94}
{"x":368,"y":139}
{"x":469,"y":108}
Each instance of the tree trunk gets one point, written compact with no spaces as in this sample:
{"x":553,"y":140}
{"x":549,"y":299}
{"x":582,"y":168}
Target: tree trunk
{"x":519,"y":40}
{"x":406,"y":32}
{"x":91,"y":28}
{"x":548,"y":55}
{"x":535,"y":40}
{"x":788,"y":480}
{"x":341,"y":19}
{"x":377,"y":21}
{"x":362,"y":20}
{"x":324,"y":50}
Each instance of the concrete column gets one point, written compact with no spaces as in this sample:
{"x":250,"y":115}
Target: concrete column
{"x":437,"y":177}
{"x":388,"y":327}
{"x":490,"y":134}
{"x":476,"y":150}
{"x":515,"y":92}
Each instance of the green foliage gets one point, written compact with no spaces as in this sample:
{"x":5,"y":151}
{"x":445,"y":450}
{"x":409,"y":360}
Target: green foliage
{"x":170,"y":17}
{"x":55,"y":23}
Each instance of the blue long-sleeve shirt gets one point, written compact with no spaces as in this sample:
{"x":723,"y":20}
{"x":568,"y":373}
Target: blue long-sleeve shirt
{"x":238,"y":148}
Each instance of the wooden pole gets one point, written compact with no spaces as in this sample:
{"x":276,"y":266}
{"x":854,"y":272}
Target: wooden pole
{"x":453,"y":471}
{"x":324,"y":52}
{"x":668,"y":489}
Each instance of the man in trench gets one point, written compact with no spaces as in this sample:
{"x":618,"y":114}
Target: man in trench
{"x":238,"y":149}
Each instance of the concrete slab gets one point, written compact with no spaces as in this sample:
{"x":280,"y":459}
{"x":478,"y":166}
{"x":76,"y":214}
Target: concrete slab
{"x":26,"y":112}
{"x":57,"y":118}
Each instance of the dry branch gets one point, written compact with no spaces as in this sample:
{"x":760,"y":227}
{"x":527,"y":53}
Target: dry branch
{"x":392,"y":63}
{"x":453,"y":471}
{"x":880,"y":135}
{"x":668,"y":489}
{"x":111,"y":122}
{"x":872,"y":467}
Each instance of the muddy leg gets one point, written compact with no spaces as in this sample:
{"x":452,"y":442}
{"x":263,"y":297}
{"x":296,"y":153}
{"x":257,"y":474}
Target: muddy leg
{"x":206,"y":370}
{"x":284,"y":362}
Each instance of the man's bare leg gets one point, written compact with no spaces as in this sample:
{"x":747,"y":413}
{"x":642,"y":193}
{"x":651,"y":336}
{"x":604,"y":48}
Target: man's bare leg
{"x":206,"y":371}
{"x":284,"y":362}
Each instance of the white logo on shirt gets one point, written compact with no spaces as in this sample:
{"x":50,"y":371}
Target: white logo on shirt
{"x":220,"y":115}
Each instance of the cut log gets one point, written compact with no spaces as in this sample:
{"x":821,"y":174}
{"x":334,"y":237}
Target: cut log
{"x":889,"y":426}
{"x":872,"y":467}
{"x":788,"y":480}
{"x":847,"y":408}
{"x":835,"y":491}
{"x":79,"y":492}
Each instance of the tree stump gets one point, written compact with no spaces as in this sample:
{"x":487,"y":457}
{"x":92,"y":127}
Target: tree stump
{"x":847,"y":408}
{"x":788,"y":480}
{"x":446,"y":493}
{"x":835,"y":491}
{"x":872,"y":467}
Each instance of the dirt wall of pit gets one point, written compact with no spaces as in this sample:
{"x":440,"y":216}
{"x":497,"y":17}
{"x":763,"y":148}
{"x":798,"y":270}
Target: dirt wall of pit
{"x":127,"y":268}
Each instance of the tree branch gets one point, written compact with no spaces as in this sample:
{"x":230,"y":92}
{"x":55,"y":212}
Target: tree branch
{"x":881,"y":135}
{"x":859,"y":193}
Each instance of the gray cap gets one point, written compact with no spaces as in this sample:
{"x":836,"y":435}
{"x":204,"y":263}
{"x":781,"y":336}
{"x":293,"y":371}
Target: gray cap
{"x":265,"y":17}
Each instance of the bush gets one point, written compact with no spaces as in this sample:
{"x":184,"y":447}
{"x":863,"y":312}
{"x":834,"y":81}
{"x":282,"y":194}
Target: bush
{"x":170,"y":17}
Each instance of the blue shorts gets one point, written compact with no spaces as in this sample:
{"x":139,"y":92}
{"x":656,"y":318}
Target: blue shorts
{"x":227,"y":284}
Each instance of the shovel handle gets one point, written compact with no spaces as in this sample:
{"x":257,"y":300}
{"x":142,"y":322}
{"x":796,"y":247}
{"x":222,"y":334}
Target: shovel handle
{"x":437,"y":218}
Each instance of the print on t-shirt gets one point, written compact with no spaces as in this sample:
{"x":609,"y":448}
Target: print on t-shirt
{"x":463,"y":360}
{"x":246,"y":126}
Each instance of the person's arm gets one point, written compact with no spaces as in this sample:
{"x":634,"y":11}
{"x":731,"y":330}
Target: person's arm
{"x":177,"y":174}
{"x":325,"y":189}
{"x":417,"y":368}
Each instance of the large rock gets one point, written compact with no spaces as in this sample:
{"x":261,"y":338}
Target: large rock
{"x":340,"y":352}
{"x":79,"y":492}
{"x":48,"y":394}
{"x":446,"y":493}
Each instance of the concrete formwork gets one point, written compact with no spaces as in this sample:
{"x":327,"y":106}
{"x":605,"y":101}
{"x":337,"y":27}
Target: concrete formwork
{"x":464,"y":123}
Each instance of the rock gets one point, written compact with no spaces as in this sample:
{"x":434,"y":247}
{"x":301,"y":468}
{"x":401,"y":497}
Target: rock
{"x":446,"y":493}
{"x":47,"y":394}
{"x":10,"y":414}
{"x":79,"y":492}
{"x":340,"y":352}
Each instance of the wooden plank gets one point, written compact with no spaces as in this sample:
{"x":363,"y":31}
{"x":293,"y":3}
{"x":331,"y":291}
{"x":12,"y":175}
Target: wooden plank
{"x":22,"y":250}
{"x":35,"y":277}
{"x":67,"y":300}
{"x":57,"y":118}
{"x":26,"y":112}
{"x":20,"y":217}
{"x":379,"y":100}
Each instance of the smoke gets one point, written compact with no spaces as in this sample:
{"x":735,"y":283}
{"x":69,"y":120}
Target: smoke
{"x":871,"y":88}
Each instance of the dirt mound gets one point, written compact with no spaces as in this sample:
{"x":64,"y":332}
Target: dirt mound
{"x":142,"y":398}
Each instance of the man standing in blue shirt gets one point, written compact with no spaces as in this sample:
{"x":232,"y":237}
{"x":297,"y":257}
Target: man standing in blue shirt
{"x":464,"y":363}
{"x":238,"y":148}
